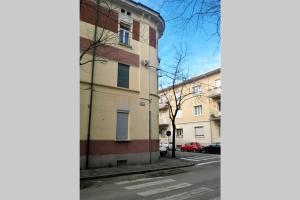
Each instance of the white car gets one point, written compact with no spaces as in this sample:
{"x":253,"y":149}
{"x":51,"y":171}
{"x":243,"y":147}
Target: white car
{"x":169,"y":147}
{"x":163,"y":150}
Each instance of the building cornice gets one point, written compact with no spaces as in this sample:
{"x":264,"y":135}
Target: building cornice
{"x":215,"y":71}
{"x":144,"y":9}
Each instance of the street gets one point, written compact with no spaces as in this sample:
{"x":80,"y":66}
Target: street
{"x":201,"y":181}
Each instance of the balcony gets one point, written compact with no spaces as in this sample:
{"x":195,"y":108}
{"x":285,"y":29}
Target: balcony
{"x":214,"y":93}
{"x":164,"y":120}
{"x":215,"y":115}
{"x":163,"y":106}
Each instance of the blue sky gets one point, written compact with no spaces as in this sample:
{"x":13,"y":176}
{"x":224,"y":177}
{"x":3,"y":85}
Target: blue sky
{"x":203,"y":50}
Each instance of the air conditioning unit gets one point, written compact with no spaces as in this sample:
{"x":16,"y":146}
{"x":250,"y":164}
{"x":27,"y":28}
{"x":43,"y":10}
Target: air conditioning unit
{"x":145,"y":62}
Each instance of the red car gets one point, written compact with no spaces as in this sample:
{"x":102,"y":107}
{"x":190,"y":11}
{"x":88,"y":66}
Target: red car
{"x":192,"y":146}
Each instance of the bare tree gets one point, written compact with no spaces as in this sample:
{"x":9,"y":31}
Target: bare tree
{"x":177,"y":93}
{"x":194,"y":13}
{"x":99,"y":14}
{"x":98,"y":36}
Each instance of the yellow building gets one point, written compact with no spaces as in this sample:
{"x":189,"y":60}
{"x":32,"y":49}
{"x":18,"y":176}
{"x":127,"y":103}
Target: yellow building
{"x":118,"y":86}
{"x":199,"y":118}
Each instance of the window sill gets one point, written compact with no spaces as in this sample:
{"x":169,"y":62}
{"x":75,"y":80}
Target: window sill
{"x":124,"y":140}
{"x":125,"y":45}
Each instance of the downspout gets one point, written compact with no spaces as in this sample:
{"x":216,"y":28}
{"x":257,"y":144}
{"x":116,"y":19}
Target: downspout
{"x":150,"y":138}
{"x":92,"y":89}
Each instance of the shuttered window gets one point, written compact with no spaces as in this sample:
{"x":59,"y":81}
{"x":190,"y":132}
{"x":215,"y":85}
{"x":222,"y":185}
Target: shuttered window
{"x":198,"y":110}
{"x":199,"y":131}
{"x":122,"y":125}
{"x":123,"y":75}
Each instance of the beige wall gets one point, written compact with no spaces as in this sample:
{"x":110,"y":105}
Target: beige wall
{"x":189,"y":121}
{"x":108,"y":98}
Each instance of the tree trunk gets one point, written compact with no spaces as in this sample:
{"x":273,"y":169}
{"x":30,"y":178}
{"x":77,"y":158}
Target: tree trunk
{"x":173,"y":138}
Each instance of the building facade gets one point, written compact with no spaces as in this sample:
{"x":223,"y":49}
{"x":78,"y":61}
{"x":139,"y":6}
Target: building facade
{"x":118,"y":83}
{"x":199,"y":118}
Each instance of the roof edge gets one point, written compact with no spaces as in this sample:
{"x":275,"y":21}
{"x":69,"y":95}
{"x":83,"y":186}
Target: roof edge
{"x":214,"y":71}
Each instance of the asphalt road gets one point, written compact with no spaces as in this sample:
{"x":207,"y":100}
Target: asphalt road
{"x":201,"y":181}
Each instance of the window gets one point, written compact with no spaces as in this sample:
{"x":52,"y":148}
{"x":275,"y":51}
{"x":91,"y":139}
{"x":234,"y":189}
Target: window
{"x":124,"y":34}
{"x":123,"y":75}
{"x":198,"y":110}
{"x":122,"y":125}
{"x":196,"y":90}
{"x":179,"y":132}
{"x":124,"y":11}
{"x":218,"y":83}
{"x":199,"y":131}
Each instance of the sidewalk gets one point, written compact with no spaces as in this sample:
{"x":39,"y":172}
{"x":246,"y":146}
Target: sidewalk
{"x":163,"y":164}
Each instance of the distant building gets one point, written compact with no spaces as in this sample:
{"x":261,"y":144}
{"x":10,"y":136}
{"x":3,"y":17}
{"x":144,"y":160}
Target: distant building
{"x":199,"y":119}
{"x":124,"y":112}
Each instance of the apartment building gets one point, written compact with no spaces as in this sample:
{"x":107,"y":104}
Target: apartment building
{"x":118,"y":83}
{"x":199,"y":118}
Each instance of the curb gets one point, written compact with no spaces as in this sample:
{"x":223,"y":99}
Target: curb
{"x":134,"y":172}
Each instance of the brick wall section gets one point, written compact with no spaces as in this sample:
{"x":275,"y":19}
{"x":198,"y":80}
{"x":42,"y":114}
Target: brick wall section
{"x":112,"y":53}
{"x":152,"y":37}
{"x":136,"y":30}
{"x":107,"y":19}
{"x":104,"y":147}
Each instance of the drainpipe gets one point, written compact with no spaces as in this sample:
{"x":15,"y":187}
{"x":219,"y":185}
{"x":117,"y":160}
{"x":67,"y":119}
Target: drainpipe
{"x":92,"y":89}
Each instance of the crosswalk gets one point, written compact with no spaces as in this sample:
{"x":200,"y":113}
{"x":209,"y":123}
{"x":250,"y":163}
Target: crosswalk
{"x":161,"y":188}
{"x":203,"y":160}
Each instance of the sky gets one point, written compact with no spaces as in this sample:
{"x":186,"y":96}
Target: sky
{"x":203,"y":49}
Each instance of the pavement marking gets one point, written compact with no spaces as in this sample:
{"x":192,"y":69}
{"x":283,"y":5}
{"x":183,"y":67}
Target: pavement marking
{"x":211,"y":156}
{"x":136,"y":180}
{"x":189,"y":159}
{"x":208,"y":162}
{"x":202,"y":157}
{"x":188,"y":194}
{"x":198,"y":159}
{"x":164,"y":189}
{"x":133,"y":187}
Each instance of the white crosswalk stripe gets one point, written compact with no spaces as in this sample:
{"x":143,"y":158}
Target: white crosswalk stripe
{"x":199,"y":164}
{"x":199,"y":158}
{"x":136,"y":180}
{"x":203,"y":158}
{"x":164,"y":189}
{"x":143,"y":185}
{"x":156,"y":188}
{"x":188,"y":194}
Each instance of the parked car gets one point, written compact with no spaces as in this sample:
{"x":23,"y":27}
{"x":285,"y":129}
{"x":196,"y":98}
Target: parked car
{"x":191,"y":146}
{"x":214,"y":148}
{"x":163,"y":150}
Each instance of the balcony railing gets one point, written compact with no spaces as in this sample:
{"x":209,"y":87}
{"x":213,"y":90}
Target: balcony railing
{"x":164,"y":121}
{"x":215,"y":92}
{"x":216,"y":115}
{"x":163,"y":106}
